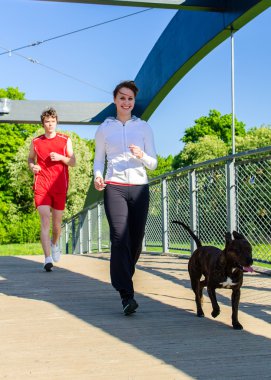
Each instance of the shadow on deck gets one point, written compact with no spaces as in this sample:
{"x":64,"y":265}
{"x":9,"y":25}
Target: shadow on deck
{"x":68,"y":324}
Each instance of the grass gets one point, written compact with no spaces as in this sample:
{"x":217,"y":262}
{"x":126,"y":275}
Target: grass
{"x":20,"y":249}
{"x":264,"y":265}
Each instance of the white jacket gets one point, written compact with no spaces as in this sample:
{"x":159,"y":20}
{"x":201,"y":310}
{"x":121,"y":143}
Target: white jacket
{"x":112,"y":141}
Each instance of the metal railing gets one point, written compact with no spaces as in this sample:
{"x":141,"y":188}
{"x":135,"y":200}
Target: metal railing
{"x":224,"y":194}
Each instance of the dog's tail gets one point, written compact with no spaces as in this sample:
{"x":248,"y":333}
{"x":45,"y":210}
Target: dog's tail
{"x":191,"y":233}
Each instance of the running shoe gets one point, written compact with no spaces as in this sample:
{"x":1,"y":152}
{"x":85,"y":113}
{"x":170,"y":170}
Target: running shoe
{"x":129,"y":306}
{"x":56,"y":253}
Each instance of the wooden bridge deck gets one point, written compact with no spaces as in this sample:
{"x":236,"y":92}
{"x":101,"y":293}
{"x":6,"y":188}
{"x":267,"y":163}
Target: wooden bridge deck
{"x":68,"y":324}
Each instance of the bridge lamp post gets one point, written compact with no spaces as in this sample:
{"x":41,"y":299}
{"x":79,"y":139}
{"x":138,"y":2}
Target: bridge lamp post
{"x":232,"y":93}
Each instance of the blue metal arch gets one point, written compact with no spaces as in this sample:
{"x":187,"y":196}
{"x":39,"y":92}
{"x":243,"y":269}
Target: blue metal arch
{"x":188,"y":38}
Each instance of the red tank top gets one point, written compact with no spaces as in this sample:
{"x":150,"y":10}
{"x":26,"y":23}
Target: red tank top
{"x":54,"y":175}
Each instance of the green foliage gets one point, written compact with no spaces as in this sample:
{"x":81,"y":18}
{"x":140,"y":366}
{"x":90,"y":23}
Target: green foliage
{"x":18,"y":226}
{"x":211,"y":147}
{"x":21,"y":179}
{"x":80,"y":175}
{"x":21,"y":249}
{"x":254,"y":139}
{"x":12,"y":93}
{"x":207,"y":148}
{"x":24,"y":228}
{"x":164,"y":165}
{"x":12,"y":137}
{"x":214,"y":124}
{"x":19,"y":222}
{"x":210,"y":138}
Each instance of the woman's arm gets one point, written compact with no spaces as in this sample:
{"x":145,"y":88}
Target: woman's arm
{"x":149,"y":156}
{"x":99,"y":160}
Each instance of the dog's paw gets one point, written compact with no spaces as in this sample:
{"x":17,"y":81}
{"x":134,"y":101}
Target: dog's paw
{"x":200,"y":314}
{"x":215,"y":313}
{"x":237,"y":326}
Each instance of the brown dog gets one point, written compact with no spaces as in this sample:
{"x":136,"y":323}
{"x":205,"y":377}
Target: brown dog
{"x":221,"y":269}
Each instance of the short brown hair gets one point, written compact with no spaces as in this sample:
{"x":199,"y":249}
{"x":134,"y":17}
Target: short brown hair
{"x":49,"y":112}
{"x":128,"y":84}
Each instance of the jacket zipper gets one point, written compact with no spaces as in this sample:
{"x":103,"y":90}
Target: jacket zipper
{"x":125,"y":151}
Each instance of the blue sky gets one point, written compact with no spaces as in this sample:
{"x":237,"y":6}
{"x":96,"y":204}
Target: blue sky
{"x":103,"y":56}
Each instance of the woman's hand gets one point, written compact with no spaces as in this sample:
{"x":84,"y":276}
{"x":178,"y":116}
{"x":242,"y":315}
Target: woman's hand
{"x":136,"y":151}
{"x":99,"y":183}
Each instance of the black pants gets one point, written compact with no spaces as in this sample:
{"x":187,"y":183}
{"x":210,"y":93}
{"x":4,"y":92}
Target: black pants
{"x":126,"y":208}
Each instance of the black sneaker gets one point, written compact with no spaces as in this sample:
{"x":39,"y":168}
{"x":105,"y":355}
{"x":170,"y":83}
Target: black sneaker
{"x":129,"y":306}
{"x":48,"y":267}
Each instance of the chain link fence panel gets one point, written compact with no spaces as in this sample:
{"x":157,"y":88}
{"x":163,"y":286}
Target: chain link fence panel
{"x":178,"y":209}
{"x":209,"y":197}
{"x":253,"y":189}
{"x":212,"y":206}
{"x":154,"y":225}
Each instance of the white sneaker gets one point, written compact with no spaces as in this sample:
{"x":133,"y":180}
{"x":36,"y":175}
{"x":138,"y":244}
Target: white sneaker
{"x":56,"y":253}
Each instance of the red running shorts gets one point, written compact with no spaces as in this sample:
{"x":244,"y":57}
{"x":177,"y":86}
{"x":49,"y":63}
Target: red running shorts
{"x":56,"y":201}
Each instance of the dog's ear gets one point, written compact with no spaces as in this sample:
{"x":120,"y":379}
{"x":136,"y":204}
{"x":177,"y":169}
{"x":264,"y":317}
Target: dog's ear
{"x":238,"y":236}
{"x":228,"y":237}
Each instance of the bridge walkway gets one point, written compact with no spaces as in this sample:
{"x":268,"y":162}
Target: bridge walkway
{"x":68,"y":324}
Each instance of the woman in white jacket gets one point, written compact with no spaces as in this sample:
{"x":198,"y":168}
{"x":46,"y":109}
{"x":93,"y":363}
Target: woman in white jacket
{"x":126,"y":143}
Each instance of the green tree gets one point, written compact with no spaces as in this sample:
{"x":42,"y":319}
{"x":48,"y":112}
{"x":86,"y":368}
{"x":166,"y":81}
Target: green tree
{"x":12,"y":137}
{"x":255,"y":138}
{"x":214,"y":124}
{"x":207,"y":148}
{"x":81,"y":175}
{"x":12,"y":93}
{"x":164,"y":165}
